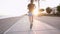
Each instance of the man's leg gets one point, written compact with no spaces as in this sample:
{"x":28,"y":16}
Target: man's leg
{"x":31,"y":26}
{"x":31,"y":23}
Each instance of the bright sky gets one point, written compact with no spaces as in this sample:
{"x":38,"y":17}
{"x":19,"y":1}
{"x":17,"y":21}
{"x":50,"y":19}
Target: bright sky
{"x":19,"y":7}
{"x":49,"y":3}
{"x":13,"y":7}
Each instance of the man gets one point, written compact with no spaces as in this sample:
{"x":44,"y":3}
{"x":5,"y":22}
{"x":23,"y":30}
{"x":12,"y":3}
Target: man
{"x":31,"y":7}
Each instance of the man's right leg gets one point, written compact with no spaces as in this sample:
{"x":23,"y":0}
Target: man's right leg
{"x":31,"y":22}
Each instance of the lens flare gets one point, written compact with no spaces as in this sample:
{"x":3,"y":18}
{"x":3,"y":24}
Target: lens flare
{"x":36,"y":12}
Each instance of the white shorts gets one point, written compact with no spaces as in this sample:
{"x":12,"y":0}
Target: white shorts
{"x":30,"y":14}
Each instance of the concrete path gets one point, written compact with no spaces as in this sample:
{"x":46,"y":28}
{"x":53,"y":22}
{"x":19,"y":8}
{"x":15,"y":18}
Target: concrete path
{"x":53,"y":21}
{"x":39,"y":27}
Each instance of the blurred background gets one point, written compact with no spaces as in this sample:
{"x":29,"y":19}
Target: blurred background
{"x":19,"y":7}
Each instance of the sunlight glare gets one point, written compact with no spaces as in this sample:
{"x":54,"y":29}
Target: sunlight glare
{"x":35,"y":12}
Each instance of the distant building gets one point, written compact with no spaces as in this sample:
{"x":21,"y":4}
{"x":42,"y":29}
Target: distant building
{"x":54,"y":10}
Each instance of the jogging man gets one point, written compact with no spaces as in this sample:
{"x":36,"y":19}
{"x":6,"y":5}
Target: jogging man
{"x":31,"y":7}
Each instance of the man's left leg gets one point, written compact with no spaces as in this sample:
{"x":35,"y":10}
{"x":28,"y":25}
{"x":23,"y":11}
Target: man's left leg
{"x":31,"y":24}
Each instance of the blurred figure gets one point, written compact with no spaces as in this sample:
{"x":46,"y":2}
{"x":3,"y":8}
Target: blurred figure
{"x":31,"y":7}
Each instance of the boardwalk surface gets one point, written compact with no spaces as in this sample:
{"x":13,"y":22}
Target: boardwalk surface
{"x":39,"y":27}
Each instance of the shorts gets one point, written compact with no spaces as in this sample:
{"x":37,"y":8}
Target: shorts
{"x":30,"y":14}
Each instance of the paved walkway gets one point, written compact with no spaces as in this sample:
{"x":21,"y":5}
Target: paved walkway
{"x":22,"y":27}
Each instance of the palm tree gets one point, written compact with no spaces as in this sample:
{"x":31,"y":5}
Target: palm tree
{"x":48,"y":10}
{"x":58,"y":9}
